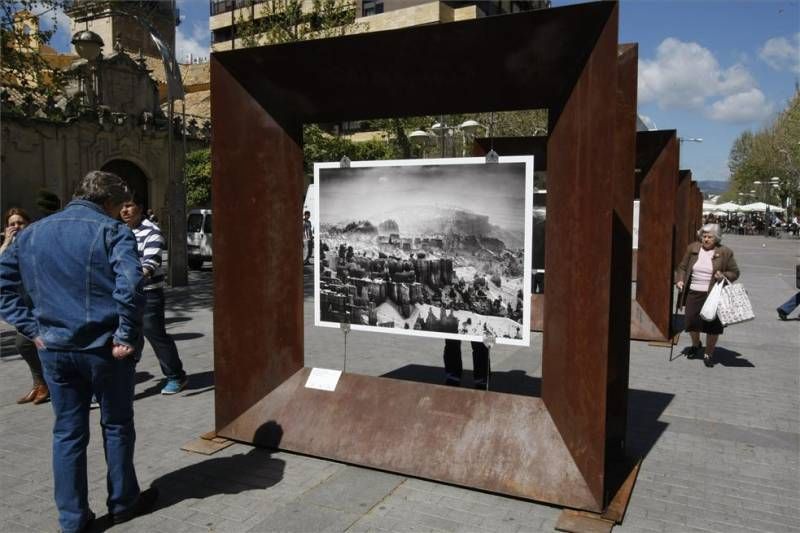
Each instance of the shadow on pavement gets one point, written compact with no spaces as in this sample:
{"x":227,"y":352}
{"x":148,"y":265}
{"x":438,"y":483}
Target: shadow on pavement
{"x":507,"y":381}
{"x":725,"y":357}
{"x":141,"y":377}
{"x":176,"y":319}
{"x":185,"y":336}
{"x":198,"y":294}
{"x":644,"y":407}
{"x":236,"y":474}
{"x":200,"y":382}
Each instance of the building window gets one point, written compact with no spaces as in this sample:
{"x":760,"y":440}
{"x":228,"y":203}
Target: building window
{"x":371,"y":7}
{"x":222,"y":35}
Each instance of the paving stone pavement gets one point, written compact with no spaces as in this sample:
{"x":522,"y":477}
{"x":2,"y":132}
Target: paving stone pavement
{"x":721,"y":446}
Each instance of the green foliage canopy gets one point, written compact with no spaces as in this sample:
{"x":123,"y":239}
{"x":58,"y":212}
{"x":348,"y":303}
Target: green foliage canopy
{"x":773,"y":151}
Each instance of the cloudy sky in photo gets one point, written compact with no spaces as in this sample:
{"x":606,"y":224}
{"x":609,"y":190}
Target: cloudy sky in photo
{"x":496,"y":190}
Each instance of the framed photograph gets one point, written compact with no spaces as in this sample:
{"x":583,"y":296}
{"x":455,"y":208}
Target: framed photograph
{"x":427,"y":247}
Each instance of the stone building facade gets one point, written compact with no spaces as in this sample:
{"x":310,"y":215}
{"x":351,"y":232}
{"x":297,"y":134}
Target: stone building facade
{"x":51,"y":145}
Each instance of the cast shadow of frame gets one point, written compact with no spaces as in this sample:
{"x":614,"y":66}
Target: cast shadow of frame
{"x":644,"y":407}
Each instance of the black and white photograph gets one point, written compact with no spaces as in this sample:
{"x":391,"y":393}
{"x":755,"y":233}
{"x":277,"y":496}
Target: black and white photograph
{"x":433,"y":248}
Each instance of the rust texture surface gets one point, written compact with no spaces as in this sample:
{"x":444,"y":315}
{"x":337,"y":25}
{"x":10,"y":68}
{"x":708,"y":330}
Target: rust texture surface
{"x":580,"y":168}
{"x":563,"y":59}
{"x":658,"y":161}
{"x":619,"y":262}
{"x":258,"y":285}
{"x":461,"y":436}
{"x":683,"y":217}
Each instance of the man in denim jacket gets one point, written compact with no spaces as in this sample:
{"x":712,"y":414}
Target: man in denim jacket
{"x":82,"y":273}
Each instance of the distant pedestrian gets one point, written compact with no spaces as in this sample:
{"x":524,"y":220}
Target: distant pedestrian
{"x":308,"y":236}
{"x":704,"y":264}
{"x":792,"y":303}
{"x":150,"y":245}
{"x":16,"y":220}
{"x":80,"y":268}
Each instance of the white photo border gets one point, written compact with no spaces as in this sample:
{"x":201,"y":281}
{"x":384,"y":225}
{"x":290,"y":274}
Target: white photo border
{"x":528,"y":251}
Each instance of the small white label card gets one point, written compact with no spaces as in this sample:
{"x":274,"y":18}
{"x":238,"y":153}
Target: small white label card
{"x":323,"y":379}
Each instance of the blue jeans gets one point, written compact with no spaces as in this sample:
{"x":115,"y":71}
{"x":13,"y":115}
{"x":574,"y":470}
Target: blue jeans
{"x":791,"y":304}
{"x":155,"y":331}
{"x":72,"y":378}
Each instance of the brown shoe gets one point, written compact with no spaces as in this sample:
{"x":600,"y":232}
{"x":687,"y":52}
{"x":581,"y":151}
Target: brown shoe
{"x":28,"y":397}
{"x":42,"y":394}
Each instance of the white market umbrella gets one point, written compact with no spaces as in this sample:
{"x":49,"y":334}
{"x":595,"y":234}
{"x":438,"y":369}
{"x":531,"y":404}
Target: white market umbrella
{"x":728,"y":207}
{"x":760,"y":207}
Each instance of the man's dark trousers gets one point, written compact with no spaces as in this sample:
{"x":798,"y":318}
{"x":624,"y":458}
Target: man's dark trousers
{"x":453,"y":366}
{"x":154,"y":328}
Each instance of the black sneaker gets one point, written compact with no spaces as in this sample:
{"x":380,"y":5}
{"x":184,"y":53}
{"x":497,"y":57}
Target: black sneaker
{"x":144,"y":504}
{"x":782,"y":314}
{"x":708,"y":360}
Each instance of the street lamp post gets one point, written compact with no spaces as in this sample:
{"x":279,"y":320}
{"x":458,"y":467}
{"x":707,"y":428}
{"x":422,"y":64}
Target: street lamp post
{"x":682,"y":140}
{"x":176,"y":195}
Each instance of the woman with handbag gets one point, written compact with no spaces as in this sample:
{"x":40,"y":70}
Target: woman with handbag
{"x":704,"y":263}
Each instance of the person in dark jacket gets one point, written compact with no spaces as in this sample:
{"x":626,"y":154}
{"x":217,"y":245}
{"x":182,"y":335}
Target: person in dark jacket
{"x":704,"y":263}
{"x":82,"y":273}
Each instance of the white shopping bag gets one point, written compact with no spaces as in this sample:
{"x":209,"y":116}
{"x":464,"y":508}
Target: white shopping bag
{"x":709,"y":310}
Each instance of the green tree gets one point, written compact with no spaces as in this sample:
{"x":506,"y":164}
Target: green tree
{"x":22,"y":41}
{"x":773,"y":151}
{"x":197,"y":178}
{"x":284,"y":21}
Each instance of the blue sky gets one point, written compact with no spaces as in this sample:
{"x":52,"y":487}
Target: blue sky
{"x":707,"y":68}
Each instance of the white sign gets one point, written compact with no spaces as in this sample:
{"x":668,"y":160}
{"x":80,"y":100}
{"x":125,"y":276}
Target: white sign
{"x":323,"y":379}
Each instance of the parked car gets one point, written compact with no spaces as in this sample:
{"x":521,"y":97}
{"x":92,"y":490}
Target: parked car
{"x":198,"y":238}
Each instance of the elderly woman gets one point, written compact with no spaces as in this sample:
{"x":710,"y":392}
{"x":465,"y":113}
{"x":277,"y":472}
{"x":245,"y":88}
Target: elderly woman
{"x":704,"y":263}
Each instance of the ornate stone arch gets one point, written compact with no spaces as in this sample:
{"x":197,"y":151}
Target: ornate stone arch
{"x":134,"y":174}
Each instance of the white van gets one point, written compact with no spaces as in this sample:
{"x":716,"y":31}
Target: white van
{"x":198,"y":238}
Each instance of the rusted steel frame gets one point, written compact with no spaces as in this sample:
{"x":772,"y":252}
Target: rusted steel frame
{"x":503,"y":443}
{"x":258,"y":287}
{"x":657,"y":193}
{"x":683,"y":217}
{"x":619,"y":310}
{"x":621,"y":185}
{"x":568,"y":65}
{"x":580,"y":166}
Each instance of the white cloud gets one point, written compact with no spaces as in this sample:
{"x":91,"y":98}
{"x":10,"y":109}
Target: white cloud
{"x":685,"y":75}
{"x":197,"y":44}
{"x":748,"y":106}
{"x":781,"y":53}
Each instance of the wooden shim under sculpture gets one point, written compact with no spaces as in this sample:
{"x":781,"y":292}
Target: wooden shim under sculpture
{"x":566,"y":445}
